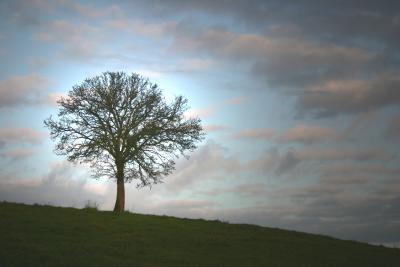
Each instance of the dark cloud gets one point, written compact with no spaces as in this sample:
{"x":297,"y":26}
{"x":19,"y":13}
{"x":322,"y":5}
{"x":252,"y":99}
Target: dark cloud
{"x":393,"y":129}
{"x":304,"y":134}
{"x":23,"y":13}
{"x":299,"y":161}
{"x":298,"y":47}
{"x":357,"y":216}
{"x":275,"y":161}
{"x":252,"y":134}
{"x":209,"y":162}
{"x":335,"y":97}
{"x":307,"y":134}
{"x":252,"y":190}
{"x":287,"y":162}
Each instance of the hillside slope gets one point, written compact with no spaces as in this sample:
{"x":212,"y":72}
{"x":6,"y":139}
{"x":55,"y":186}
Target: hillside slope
{"x":51,"y":236}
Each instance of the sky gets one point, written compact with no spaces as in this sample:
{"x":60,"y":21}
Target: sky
{"x":300,"y":101}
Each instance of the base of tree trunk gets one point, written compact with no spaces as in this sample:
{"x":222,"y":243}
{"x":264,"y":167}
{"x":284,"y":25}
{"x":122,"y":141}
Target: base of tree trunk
{"x":120,"y":201}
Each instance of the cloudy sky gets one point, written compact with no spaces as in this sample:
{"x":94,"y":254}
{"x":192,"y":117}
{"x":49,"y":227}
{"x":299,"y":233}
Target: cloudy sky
{"x":300,"y":101}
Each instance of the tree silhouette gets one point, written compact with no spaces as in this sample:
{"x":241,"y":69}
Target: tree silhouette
{"x":122,"y":126}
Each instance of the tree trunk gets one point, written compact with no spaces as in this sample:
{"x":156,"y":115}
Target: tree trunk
{"x":120,"y":201}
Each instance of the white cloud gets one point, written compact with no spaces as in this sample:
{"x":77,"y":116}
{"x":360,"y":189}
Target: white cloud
{"x":215,"y":128}
{"x":20,"y":135}
{"x":200,"y":112}
{"x":150,"y":73}
{"x":52,"y":98}
{"x":18,"y":153}
{"x":64,"y":185}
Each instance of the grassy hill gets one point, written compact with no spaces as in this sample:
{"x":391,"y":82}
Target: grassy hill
{"x":51,"y":236}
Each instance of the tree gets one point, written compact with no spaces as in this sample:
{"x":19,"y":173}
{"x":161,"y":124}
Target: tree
{"x":122,"y":126}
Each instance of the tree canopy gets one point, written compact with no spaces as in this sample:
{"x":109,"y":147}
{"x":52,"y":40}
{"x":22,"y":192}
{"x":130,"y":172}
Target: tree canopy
{"x":123,"y":127}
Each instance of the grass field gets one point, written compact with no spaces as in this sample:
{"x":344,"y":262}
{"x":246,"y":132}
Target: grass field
{"x":51,"y":236}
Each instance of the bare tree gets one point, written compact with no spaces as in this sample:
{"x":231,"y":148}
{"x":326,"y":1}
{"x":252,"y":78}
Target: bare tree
{"x":122,"y":126}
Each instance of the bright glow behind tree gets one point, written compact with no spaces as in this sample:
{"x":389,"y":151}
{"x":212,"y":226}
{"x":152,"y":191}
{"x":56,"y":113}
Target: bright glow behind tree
{"x":123,"y":127}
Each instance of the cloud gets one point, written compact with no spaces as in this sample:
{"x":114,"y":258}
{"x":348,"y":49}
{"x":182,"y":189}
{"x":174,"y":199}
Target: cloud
{"x":283,"y":60}
{"x":341,"y":66}
{"x":324,"y":73}
{"x":251,"y":190}
{"x":52,"y":98}
{"x":196,"y":64}
{"x":287,"y":48}
{"x":267,"y":134}
{"x":91,"y":11}
{"x":215,"y":128}
{"x":211,"y":110}
{"x":150,"y":73}
{"x":79,"y":41}
{"x":20,"y":135}
{"x":307,"y":134}
{"x":190,"y":39}
{"x":273,"y":161}
{"x":290,"y":53}
{"x":187,"y":65}
{"x":287,"y":162}
{"x":134,"y":26}
{"x":209,"y":162}
{"x":360,"y":215}
{"x":375,"y":169}
{"x":19,"y":153}
{"x":63,"y":185}
{"x":393,"y":129}
{"x":343,"y":153}
{"x":33,"y":13}
{"x":336,"y":97}
{"x":325,"y":77}
{"x":309,"y":160}
{"x":38,"y":63}
{"x":235,"y":101}
{"x":22,"y":90}
{"x":366,"y":20}
{"x":24,"y":13}
{"x":357,"y":219}
{"x":355,"y":201}
{"x":200,"y":112}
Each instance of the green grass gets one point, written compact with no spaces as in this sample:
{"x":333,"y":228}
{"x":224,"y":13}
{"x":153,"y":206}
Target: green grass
{"x":51,"y":236}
